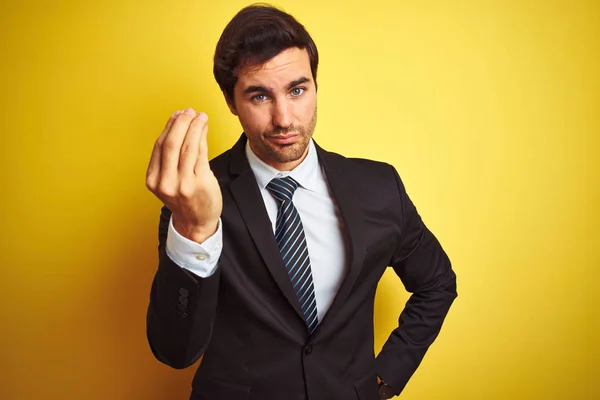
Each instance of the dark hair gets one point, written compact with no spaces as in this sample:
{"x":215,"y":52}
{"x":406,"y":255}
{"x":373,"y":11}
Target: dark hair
{"x":255,"y":35}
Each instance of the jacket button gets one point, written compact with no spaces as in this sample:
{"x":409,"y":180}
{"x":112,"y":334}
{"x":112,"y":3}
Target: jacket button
{"x":308,"y":350}
{"x":184,"y":292}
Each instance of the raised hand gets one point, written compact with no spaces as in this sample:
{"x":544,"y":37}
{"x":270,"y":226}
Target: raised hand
{"x":180,"y":176}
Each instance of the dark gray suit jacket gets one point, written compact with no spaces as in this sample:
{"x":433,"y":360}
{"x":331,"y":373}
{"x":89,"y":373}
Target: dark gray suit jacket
{"x":246,"y":321}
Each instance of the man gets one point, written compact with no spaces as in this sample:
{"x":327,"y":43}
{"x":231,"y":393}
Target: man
{"x":270,"y":254}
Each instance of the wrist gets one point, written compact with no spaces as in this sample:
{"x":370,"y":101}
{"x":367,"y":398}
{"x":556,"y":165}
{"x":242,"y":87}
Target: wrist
{"x":195,"y":233}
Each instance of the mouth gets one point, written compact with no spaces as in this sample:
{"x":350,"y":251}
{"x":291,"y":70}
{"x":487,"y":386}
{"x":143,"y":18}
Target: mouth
{"x":284,"y":139}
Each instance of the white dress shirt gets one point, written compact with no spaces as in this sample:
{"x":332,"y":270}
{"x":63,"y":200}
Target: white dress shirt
{"x":322,"y":222}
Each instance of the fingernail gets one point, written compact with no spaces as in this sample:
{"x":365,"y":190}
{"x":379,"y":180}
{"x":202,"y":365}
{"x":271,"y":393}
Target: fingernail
{"x":202,"y":116}
{"x":176,"y":113}
{"x":189,"y":111}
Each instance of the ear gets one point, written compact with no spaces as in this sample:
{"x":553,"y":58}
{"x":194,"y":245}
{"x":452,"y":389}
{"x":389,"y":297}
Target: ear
{"x":230,"y":104}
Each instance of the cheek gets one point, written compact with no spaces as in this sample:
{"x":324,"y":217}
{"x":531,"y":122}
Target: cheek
{"x":254,"y":119}
{"x":306,"y":109}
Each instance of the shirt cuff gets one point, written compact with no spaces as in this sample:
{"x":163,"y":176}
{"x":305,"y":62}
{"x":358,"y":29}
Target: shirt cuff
{"x":200,"y":259}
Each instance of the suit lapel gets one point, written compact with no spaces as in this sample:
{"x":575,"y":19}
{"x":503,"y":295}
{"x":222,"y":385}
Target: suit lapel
{"x":248,"y":198}
{"x":344,"y":192}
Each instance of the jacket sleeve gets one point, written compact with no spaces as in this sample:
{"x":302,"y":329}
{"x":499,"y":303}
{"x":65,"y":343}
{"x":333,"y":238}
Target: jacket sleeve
{"x":182,"y":308}
{"x":426,"y":272}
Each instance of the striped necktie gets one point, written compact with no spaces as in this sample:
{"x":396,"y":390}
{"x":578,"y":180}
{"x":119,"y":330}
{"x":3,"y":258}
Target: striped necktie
{"x":291,"y":241}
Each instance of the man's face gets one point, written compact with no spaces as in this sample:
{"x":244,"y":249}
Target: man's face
{"x":276,"y":104}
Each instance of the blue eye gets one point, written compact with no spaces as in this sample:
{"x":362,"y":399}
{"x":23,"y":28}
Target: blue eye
{"x":259,"y":98}
{"x":297,"y":91}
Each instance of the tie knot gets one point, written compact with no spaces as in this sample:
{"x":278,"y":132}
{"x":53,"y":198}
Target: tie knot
{"x":283,"y":188}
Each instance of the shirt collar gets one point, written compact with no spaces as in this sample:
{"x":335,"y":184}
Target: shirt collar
{"x":306,"y":173}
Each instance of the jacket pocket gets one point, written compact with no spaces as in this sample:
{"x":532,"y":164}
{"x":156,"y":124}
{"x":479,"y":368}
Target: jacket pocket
{"x":217,"y":389}
{"x":366,"y":387}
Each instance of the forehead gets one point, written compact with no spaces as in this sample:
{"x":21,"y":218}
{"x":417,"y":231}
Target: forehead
{"x":286,"y":66}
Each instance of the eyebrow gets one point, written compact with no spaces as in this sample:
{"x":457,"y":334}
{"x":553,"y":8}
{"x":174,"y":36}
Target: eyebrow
{"x":262,"y":89}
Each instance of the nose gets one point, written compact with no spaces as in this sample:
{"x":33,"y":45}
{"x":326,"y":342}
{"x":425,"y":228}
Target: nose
{"x":282,"y":113}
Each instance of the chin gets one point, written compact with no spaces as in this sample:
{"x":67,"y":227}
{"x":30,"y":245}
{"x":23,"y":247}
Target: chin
{"x":288,"y":153}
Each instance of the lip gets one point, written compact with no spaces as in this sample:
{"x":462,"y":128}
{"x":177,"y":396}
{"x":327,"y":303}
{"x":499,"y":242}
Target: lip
{"x":286,"y":139}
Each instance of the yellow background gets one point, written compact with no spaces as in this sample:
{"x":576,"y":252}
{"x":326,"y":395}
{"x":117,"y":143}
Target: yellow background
{"x":488,"y":109}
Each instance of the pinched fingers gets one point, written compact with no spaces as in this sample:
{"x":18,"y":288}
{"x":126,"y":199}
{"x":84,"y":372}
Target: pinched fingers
{"x":153,"y":171}
{"x":171,"y":146}
{"x":202,"y":162}
{"x":190,"y":148}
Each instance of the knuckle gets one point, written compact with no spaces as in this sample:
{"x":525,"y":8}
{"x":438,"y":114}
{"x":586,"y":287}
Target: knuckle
{"x":170,"y":144}
{"x":186,"y":190}
{"x":165,"y":189}
{"x":151,"y":183}
{"x":187,"y":148}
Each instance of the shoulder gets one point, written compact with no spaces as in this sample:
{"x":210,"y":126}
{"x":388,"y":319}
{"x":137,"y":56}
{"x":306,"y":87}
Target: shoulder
{"x":365,"y":170}
{"x":220,"y":164}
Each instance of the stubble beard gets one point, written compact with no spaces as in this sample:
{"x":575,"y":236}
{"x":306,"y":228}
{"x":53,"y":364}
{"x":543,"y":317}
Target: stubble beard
{"x":290,"y":152}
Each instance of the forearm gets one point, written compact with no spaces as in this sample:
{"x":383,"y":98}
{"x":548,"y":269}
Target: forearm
{"x":425,"y":270}
{"x":419,"y":325}
{"x":182,"y":308}
{"x":180,"y":314}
